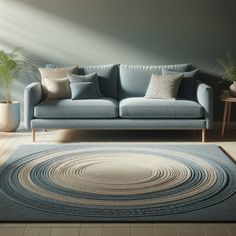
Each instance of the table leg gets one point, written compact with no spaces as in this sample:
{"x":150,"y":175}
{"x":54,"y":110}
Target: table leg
{"x":224,"y":118}
{"x":229,"y":114}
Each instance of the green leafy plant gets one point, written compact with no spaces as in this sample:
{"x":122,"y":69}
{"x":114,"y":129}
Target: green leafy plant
{"x":229,"y":67}
{"x":10,"y":67}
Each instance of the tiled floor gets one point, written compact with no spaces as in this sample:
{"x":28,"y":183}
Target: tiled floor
{"x":118,"y":230}
{"x":9,"y":141}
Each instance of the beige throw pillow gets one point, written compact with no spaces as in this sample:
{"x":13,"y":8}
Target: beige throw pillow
{"x":164,"y":87}
{"x":57,"y":88}
{"x":56,"y":73}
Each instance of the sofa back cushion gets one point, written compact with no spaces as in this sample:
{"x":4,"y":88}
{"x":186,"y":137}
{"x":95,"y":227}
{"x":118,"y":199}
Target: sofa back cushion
{"x":107,"y":78}
{"x":134,"y":80}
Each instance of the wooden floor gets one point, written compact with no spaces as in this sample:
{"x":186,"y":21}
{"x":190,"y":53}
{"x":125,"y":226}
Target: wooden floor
{"x":9,"y":141}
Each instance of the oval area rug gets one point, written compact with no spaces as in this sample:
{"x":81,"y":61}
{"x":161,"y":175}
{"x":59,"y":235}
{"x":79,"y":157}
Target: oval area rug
{"x":118,"y":183}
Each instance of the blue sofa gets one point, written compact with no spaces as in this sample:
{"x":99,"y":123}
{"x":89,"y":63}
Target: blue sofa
{"x":124,"y":105}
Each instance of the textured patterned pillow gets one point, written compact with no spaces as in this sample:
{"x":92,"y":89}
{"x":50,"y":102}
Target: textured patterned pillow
{"x":57,"y":88}
{"x":86,"y":78}
{"x":83,"y":90}
{"x":56,"y":73}
{"x":163,"y":87}
{"x":187,"y":88}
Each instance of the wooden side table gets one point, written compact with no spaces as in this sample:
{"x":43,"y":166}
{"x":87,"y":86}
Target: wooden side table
{"x":228,"y":100}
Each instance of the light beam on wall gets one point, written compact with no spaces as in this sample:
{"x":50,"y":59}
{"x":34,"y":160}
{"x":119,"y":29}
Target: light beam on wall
{"x":59,"y":40}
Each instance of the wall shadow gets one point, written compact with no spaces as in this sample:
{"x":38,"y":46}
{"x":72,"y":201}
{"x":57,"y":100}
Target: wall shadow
{"x":176,"y":32}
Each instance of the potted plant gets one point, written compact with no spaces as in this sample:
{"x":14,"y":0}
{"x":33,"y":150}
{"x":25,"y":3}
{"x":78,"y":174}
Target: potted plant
{"x":10,"y":66}
{"x":229,"y":72}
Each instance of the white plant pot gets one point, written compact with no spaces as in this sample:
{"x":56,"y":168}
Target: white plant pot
{"x":232,"y":89}
{"x":9,"y":116}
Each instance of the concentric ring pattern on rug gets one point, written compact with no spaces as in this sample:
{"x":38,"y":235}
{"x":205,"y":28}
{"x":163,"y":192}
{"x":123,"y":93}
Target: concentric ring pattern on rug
{"x":115,"y":181}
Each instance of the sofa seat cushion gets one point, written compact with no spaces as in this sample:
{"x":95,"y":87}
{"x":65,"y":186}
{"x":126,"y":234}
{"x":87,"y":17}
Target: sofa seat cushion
{"x":83,"y":108}
{"x":139,"y":107}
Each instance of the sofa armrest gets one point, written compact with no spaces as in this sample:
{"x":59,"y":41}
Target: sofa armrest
{"x":205,"y":98}
{"x":32,"y":96}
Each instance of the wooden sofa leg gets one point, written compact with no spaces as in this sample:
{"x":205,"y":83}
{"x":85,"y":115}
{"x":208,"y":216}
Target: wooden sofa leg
{"x":203,"y":135}
{"x":33,"y":135}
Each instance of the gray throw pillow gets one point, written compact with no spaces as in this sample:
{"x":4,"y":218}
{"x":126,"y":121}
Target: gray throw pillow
{"x":83,"y":90}
{"x":187,"y":88}
{"x":86,"y":78}
{"x":163,"y":87}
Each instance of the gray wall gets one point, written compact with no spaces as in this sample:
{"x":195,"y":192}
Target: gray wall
{"x":126,"y":31}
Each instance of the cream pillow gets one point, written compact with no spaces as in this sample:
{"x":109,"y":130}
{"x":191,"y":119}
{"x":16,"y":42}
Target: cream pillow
{"x":56,"y":73}
{"x":57,"y":88}
{"x":164,"y":87}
